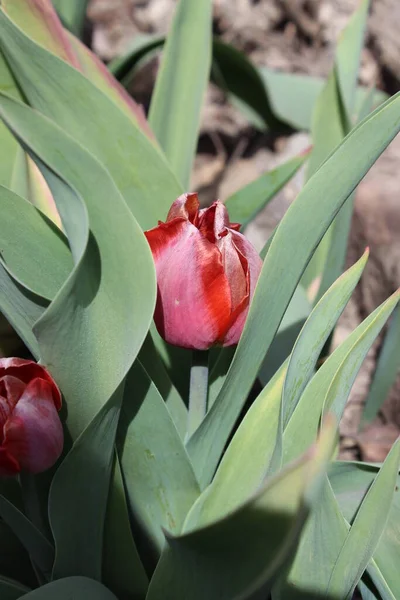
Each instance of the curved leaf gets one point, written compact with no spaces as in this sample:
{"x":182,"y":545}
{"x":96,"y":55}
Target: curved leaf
{"x":65,"y":95}
{"x":78,"y":588}
{"x":29,"y":240}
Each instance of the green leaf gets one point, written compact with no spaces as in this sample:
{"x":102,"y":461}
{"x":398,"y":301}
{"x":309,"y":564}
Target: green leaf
{"x":351,"y":482}
{"x":293,"y":243}
{"x":40,"y":22}
{"x":235,"y":73}
{"x":106,"y":316}
{"x":39,"y":548}
{"x":72,"y":14}
{"x":11,"y":590}
{"x":28,"y":182}
{"x":343,"y":380}
{"x":331,"y":121}
{"x":386,"y":370}
{"x":159,"y":479}
{"x":314,"y":334}
{"x":95,"y":70}
{"x":332,"y":383}
{"x":123,"y":571}
{"x":208,"y":562}
{"x":8,"y":144}
{"x":181,"y":83}
{"x":293,"y":96}
{"x":76,"y":588}
{"x":155,"y":368}
{"x":60,"y":92}
{"x":245,"y":204}
{"x":348,"y":56}
{"x":85,"y":473}
{"x":29,"y":240}
{"x":366,"y":529}
{"x":289,"y":329}
{"x":247,"y":459}
{"x":21,"y":309}
{"x":320,"y":544}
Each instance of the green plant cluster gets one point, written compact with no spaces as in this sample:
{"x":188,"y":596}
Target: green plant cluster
{"x":136,"y":509}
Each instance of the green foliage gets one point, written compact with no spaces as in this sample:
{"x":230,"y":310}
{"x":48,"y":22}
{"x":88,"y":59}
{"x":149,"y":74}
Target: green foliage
{"x":249,"y":507}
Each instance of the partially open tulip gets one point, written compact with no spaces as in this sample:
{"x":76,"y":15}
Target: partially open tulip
{"x":31,"y":434}
{"x":206,"y":274}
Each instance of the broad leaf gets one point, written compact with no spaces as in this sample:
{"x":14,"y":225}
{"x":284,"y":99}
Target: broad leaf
{"x":65,"y":95}
{"x":208,"y":562}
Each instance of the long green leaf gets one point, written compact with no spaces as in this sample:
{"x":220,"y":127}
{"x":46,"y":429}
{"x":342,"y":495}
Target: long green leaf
{"x":181,"y":83}
{"x":332,"y":383}
{"x":123,"y":571}
{"x":366,"y":529}
{"x":294,"y":242}
{"x":244,"y":205}
{"x":314,"y":334}
{"x":65,"y":95}
{"x":331,"y":121}
{"x":38,"y":547}
{"x":248,"y":457}
{"x":208,"y":562}
{"x":72,"y":14}
{"x":351,"y":482}
{"x":386,"y":370}
{"x":159,"y":479}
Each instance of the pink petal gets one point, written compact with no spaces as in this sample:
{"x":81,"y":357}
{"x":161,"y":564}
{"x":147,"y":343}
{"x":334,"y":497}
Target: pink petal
{"x":254,"y":265}
{"x":26,"y":370}
{"x":193,"y":305}
{"x":33,"y":434}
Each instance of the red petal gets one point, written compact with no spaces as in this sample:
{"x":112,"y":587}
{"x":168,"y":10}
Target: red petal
{"x":11,"y":390}
{"x":214,"y":221}
{"x":254,"y":264}
{"x":26,"y":370}
{"x":185,"y":207}
{"x":33,"y":434}
{"x":193,"y":305}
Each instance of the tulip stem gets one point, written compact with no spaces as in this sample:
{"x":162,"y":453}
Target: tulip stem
{"x":198,"y":390}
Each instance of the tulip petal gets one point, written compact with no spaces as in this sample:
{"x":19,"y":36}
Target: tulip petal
{"x":26,"y":371}
{"x":254,"y":264}
{"x":194,"y":304}
{"x":11,"y":390}
{"x":33,"y":435}
{"x":186,"y":207}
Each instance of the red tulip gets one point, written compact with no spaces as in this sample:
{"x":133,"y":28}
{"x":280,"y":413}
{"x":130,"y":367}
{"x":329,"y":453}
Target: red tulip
{"x":31,"y":434}
{"x":206,"y":274}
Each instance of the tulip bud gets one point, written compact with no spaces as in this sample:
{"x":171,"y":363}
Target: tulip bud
{"x":206,"y":275}
{"x":31,"y":434}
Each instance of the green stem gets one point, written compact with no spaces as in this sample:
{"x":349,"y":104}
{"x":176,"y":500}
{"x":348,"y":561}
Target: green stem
{"x":198,"y":390}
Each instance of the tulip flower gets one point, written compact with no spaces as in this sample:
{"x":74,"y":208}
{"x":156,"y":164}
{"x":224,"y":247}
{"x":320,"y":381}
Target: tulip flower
{"x":206,"y":275}
{"x":31,"y":434}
